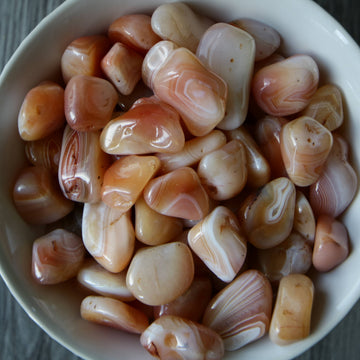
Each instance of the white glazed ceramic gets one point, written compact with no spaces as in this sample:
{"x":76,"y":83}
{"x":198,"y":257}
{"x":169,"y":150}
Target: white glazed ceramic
{"x":305,"y":28}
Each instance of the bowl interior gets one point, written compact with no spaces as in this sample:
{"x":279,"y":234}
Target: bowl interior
{"x":305,"y":29}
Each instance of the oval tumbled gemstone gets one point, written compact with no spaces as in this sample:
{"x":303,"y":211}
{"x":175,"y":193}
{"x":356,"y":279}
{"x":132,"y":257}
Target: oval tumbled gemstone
{"x":150,"y":126}
{"x":336,"y":187}
{"x":236,"y":68}
{"x":89,"y":102}
{"x":108,"y":235}
{"x":57,"y":257}
{"x":153,"y":228}
{"x":240,"y":313}
{"x":219,"y":243}
{"x":191,"y":305}
{"x":159,"y":274}
{"x":125,"y":180}
{"x":38,"y":198}
{"x":326,"y":107}
{"x":331,"y":246}
{"x":96,"y":278}
{"x":122,"y":66}
{"x":258,"y":167}
{"x":45,"y":152}
{"x":286,"y":87}
{"x":192,"y":152}
{"x":223,"y":172}
{"x":305,"y":146}
{"x":182,"y":81}
{"x":267,"y":215}
{"x":172,"y":337}
{"x":267,"y":133}
{"x":267,"y":39}
{"x":304,"y":219}
{"x":291,"y":317}
{"x":179,"y":23}
{"x":135,"y":31}
{"x":83,"y":56}
{"x":82,"y":165}
{"x":178,"y":193}
{"x":114,"y":313}
{"x":292,"y":256}
{"x":42,"y":111}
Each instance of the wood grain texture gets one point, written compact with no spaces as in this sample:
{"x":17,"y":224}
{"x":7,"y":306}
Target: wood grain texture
{"x":20,"y":337}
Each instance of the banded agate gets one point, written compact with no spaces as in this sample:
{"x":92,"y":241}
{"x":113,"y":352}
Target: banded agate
{"x":236,"y":68}
{"x":56,"y":257}
{"x":267,"y":215}
{"x":108,"y":235}
{"x":172,"y":337}
{"x":82,"y":165}
{"x":241,"y":312}
{"x":219,"y":243}
{"x":114,"y":313}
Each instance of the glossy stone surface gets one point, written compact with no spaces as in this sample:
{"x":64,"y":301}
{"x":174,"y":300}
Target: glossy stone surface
{"x":172,"y":337}
{"x":56,"y":257}
{"x":108,"y":235}
{"x":241,"y":312}
{"x":159,"y":274}
{"x":291,"y":317}
{"x":219,"y":243}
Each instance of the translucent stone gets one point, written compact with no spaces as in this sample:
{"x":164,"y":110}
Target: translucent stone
{"x":223,"y":172}
{"x":337,"y":185}
{"x":191,"y":305}
{"x":89,"y":102}
{"x":153,"y":228}
{"x":122,"y":66}
{"x":291,"y":317}
{"x":179,"y":23}
{"x":83,"y":56}
{"x":241,"y":312}
{"x":331,"y":245}
{"x":151,"y":126}
{"x":286,"y":87}
{"x":267,"y":39}
{"x":45,"y":152}
{"x":82,"y":165}
{"x":159,"y":274}
{"x":113,"y":313}
{"x":304,"y":219}
{"x":108,"y":235}
{"x":258,"y":168}
{"x":178,"y":193}
{"x":305,"y":146}
{"x":38,"y":198}
{"x":135,"y":31}
{"x":236,"y":67}
{"x":42,"y":111}
{"x":292,"y":256}
{"x":267,"y":134}
{"x":182,"y":81}
{"x":56,"y":257}
{"x":326,"y":106}
{"x":267,"y":215}
{"x":172,"y":337}
{"x":192,"y":152}
{"x":126,"y":101}
{"x":219,"y":243}
{"x":126,"y":178}
{"x":96,"y":278}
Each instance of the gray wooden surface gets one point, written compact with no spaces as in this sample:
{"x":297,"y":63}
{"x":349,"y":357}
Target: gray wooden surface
{"x":20,"y":337}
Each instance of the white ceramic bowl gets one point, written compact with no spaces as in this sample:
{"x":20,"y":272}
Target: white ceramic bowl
{"x":306,"y":28}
